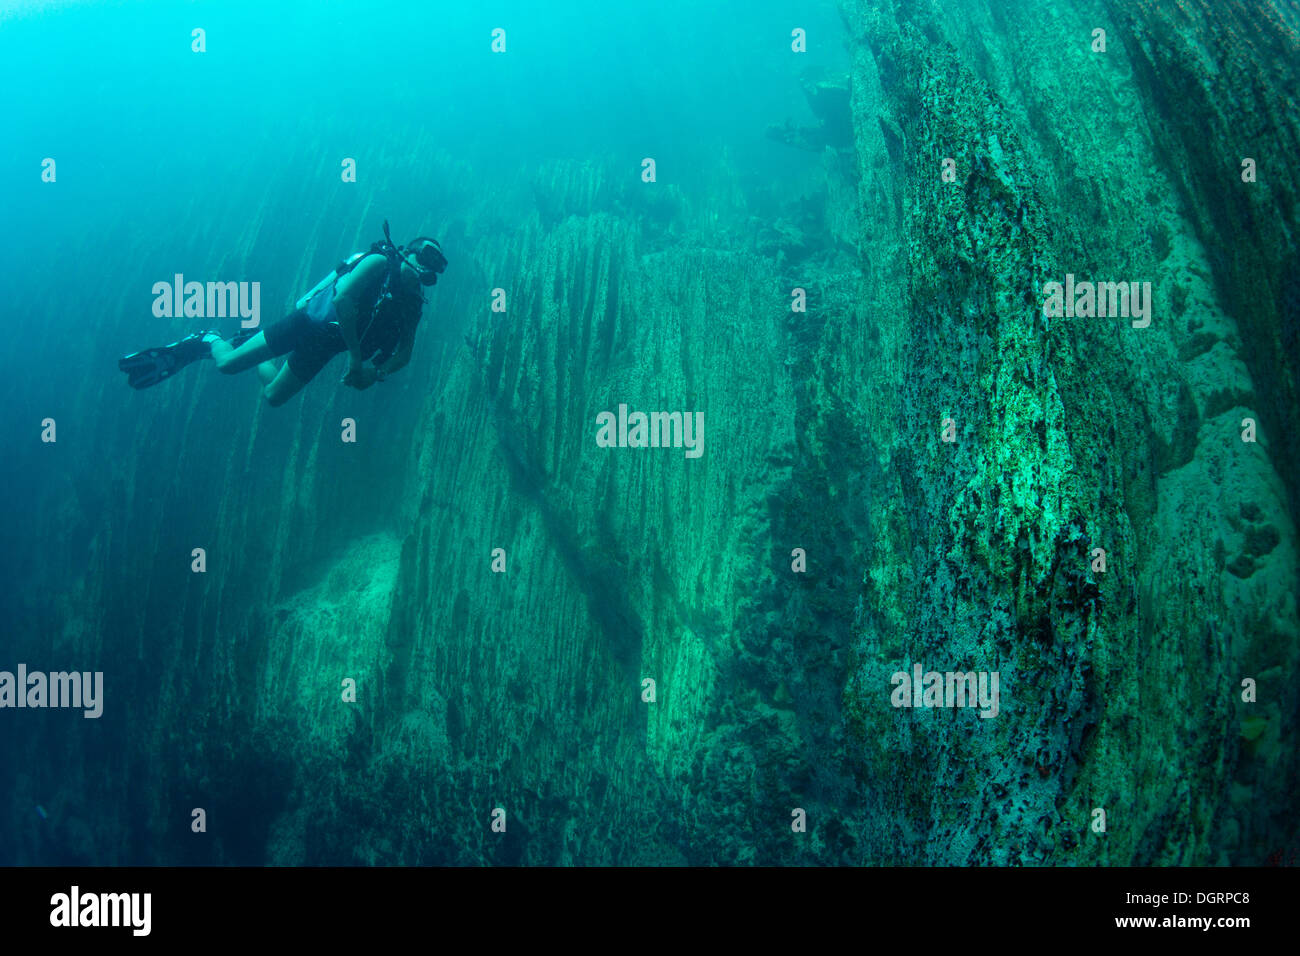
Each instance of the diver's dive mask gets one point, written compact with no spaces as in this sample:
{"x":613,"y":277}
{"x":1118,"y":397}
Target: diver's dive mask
{"x":429,"y":260}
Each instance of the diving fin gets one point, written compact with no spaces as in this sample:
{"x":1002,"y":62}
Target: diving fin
{"x":151,"y":366}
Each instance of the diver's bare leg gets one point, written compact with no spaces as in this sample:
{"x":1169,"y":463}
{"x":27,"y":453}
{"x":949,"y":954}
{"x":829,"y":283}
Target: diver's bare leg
{"x":231,"y":360}
{"x":285,"y":387}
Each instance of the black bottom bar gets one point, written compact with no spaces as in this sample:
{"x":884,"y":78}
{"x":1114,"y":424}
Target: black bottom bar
{"x":354,"y":905}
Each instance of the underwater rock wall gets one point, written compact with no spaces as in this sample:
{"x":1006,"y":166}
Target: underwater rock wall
{"x":1120,"y":688}
{"x":1227,"y":75}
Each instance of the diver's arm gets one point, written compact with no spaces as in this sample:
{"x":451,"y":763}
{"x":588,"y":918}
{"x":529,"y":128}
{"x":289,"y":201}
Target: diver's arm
{"x":400,"y":357}
{"x":347,"y":313}
{"x":347,"y":302}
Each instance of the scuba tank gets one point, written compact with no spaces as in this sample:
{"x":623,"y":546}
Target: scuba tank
{"x":340,"y":270}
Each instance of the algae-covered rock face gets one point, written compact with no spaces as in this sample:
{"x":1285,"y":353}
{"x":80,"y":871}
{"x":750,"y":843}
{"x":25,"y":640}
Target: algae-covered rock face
{"x":966,"y":536}
{"x":1101,"y":528}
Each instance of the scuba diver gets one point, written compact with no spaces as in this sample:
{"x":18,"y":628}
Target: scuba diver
{"x":369,"y":307}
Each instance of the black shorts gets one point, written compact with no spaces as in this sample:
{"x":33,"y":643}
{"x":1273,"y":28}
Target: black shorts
{"x":310,"y":344}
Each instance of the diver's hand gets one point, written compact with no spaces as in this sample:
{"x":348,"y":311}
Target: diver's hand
{"x":361,"y":377}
